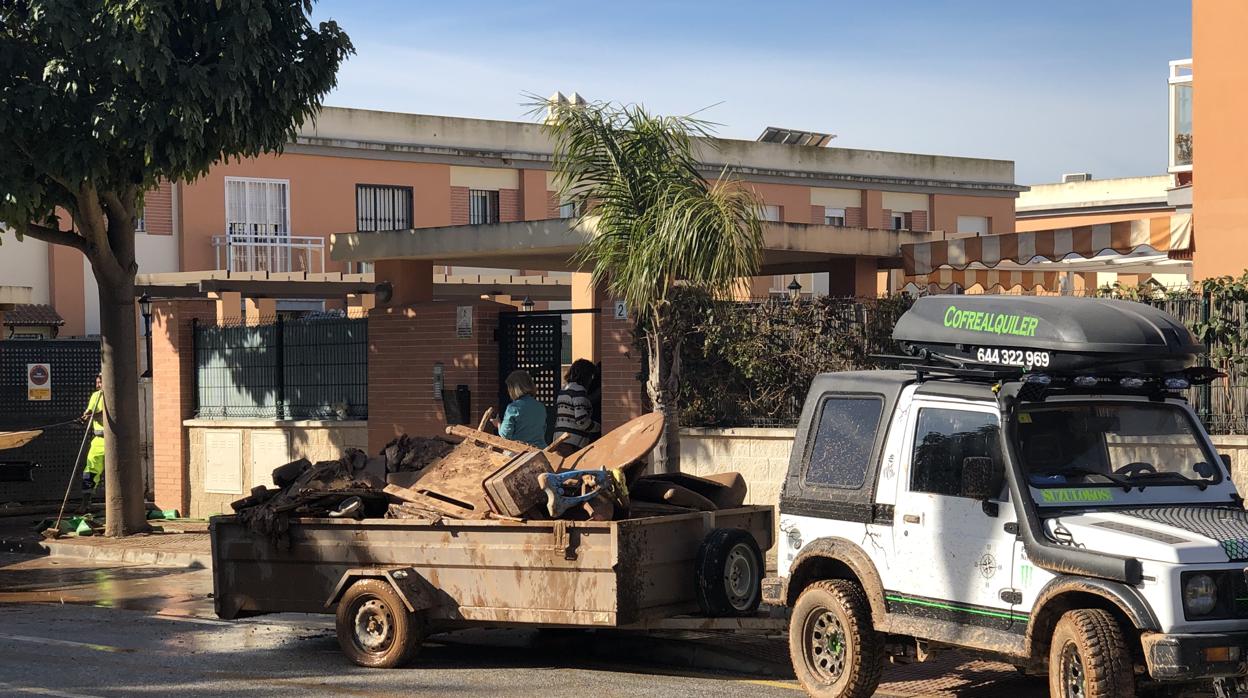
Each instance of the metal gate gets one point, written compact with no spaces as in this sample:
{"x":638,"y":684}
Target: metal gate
{"x":73,"y":364}
{"x":532,"y":341}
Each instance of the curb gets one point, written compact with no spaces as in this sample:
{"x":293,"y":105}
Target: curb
{"x":82,"y":551}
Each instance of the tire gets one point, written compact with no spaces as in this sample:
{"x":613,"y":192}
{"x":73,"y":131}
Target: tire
{"x":1088,"y":657}
{"x":835,"y":650}
{"x":729,"y":573}
{"x":374,"y":628}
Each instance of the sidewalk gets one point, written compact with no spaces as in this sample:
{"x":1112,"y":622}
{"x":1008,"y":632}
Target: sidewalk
{"x":181,"y":544}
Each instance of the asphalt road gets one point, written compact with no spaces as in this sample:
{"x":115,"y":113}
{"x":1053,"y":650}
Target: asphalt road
{"x":74,"y":628}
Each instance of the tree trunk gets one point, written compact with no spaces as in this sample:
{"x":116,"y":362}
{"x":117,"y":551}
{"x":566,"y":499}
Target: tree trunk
{"x":124,"y":505}
{"x":659,"y":383}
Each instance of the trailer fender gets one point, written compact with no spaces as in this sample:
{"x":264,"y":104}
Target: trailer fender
{"x":417,"y":594}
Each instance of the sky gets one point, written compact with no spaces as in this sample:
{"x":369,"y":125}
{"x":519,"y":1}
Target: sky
{"x":1059,"y":86}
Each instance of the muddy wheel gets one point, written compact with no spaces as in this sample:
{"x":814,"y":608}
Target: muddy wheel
{"x":835,"y":650}
{"x":1088,"y":657}
{"x":374,"y":628}
{"x":729,"y":572}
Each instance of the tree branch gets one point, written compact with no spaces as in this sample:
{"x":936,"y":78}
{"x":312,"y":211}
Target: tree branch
{"x":53,"y":236}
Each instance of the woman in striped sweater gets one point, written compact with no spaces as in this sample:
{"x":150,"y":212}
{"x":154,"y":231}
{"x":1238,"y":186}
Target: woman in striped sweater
{"x":574,"y":411}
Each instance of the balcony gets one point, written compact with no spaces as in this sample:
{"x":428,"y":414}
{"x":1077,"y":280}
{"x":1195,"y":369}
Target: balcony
{"x":247,"y":250}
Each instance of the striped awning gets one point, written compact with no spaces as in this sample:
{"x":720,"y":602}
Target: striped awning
{"x":1172,"y":234}
{"x":987,"y":279}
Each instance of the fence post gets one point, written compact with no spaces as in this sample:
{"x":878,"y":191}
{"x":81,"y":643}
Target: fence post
{"x":1206,"y":389}
{"x":195,"y":363}
{"x":279,"y":364}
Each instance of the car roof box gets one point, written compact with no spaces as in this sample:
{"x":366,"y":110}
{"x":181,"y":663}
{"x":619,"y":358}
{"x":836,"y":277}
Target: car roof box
{"x":1073,"y":334}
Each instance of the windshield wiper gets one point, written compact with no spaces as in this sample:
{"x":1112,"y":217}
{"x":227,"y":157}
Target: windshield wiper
{"x":1170,"y":475}
{"x":1121,"y":482}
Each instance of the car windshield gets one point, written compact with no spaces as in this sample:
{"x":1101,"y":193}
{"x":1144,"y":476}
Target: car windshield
{"x":1113,"y":444}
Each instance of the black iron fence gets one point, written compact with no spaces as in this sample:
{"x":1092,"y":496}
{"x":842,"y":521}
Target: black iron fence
{"x":314,"y":368}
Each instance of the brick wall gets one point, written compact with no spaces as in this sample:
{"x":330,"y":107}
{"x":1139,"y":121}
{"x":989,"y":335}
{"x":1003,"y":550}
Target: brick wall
{"x":158,"y":210}
{"x":621,"y":362}
{"x":853,"y":217}
{"x":816,"y":215}
{"x":918,"y":220}
{"x":459,"y":205}
{"x":509,"y":205}
{"x":173,"y":399}
{"x":404,"y":345}
{"x":887,"y":217}
{"x":552,"y":204}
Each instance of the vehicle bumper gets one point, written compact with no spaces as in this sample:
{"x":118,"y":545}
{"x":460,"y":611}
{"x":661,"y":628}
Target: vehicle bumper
{"x":1188,"y":656}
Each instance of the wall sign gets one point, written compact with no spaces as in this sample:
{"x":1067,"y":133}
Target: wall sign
{"x":621,"y":310}
{"x":39,"y":382}
{"x":463,"y":321}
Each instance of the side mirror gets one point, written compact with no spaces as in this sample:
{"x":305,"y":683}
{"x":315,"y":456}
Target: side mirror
{"x":980,"y":478}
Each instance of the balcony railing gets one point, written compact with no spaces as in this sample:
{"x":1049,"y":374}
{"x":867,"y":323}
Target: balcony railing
{"x":269,"y":251}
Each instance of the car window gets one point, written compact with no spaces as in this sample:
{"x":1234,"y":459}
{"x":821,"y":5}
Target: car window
{"x":943,"y":441}
{"x":844,"y":440}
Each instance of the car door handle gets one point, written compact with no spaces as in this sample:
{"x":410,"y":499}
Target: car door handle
{"x":911,"y":518}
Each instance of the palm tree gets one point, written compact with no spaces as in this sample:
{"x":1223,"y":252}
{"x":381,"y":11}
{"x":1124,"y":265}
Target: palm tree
{"x":635,"y":181}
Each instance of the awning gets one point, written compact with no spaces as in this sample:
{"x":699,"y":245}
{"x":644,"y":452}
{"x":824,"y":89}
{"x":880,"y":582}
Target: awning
{"x":1172,"y":234}
{"x":988,"y":279}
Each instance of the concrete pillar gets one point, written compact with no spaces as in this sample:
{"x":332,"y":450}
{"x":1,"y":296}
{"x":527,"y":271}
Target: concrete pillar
{"x":853,"y":277}
{"x":585,"y":326}
{"x":411,"y":279}
{"x":173,"y":396}
{"x":229,"y":307}
{"x":873,"y":209}
{"x":260,"y":310}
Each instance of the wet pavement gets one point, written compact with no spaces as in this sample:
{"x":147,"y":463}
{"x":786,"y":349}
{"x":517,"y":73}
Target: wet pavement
{"x":75,"y":627}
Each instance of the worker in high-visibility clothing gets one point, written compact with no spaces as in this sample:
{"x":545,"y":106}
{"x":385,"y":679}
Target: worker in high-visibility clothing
{"x":93,"y":473}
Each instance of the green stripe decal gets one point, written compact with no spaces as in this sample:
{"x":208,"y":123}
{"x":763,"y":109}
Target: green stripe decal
{"x":961,"y":609}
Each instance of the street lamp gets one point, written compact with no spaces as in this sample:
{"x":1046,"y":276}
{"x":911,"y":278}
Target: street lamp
{"x":145,"y":308}
{"x":795,"y":290}
{"x":527,"y":305}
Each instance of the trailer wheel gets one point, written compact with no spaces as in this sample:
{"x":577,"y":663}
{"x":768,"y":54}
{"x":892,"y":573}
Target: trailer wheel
{"x":729,"y":573}
{"x":835,"y":650}
{"x":374,"y":628}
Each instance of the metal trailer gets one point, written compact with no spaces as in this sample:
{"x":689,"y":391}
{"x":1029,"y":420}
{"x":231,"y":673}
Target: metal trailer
{"x":391,"y":582}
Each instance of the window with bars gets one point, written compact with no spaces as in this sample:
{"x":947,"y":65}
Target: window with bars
{"x":482,"y":206}
{"x":382,"y":207}
{"x":834,"y":216}
{"x":257,"y":206}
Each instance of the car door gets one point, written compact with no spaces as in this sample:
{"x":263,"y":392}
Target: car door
{"x":954,"y":552}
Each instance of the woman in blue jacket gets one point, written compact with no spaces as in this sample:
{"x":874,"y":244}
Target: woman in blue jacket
{"x":524,"y":419}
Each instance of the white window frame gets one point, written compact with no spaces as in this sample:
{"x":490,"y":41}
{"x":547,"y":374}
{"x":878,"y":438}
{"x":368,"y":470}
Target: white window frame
{"x":140,"y":222}
{"x":258,"y":180}
{"x":771,"y":213}
{"x":830,"y":215}
{"x":898,"y":219}
{"x":1180,"y":75}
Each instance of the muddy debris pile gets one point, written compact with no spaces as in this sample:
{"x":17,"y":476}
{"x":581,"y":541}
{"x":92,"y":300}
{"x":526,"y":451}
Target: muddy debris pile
{"x":471,"y":474}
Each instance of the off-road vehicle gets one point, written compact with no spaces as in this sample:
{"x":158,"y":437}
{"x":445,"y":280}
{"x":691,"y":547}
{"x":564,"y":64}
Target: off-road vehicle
{"x":1029,"y":484}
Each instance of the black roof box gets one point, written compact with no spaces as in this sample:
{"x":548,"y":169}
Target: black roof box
{"x":1073,"y":334}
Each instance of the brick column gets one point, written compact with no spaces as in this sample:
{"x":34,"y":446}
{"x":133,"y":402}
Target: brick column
{"x":412,"y":280}
{"x":621,"y":364}
{"x":853,"y":277}
{"x":404,"y":345}
{"x":173,"y":399}
{"x":534,"y":197}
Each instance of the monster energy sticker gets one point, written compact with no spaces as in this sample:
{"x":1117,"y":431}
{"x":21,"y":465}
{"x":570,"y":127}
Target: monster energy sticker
{"x":993,"y":323}
{"x":1076,"y":495}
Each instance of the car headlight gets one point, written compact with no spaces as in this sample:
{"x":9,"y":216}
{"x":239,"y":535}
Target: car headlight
{"x":1200,"y":594}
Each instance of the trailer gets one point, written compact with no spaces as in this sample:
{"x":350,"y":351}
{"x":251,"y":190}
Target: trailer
{"x":393,"y":582}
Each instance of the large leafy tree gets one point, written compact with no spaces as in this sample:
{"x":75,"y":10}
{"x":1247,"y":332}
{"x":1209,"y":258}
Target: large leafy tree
{"x":100,"y":100}
{"x":657,"y":222}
